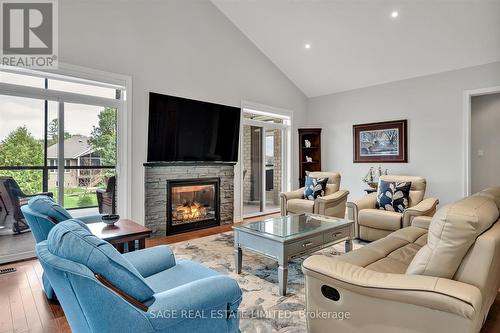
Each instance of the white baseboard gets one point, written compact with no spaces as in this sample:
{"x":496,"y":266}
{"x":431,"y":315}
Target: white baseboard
{"x":17,"y":256}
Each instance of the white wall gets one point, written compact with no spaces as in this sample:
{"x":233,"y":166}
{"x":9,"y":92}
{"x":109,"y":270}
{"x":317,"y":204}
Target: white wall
{"x":178,"y":47}
{"x":485,"y":141}
{"x":433,"y":106}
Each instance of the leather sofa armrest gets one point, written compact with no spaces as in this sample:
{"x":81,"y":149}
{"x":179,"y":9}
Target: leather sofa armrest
{"x":335,"y":200}
{"x":427,"y":291}
{"x":334,"y":197}
{"x":369,"y":201}
{"x":426,"y":207}
{"x":422,"y":222}
{"x":285,"y":196}
{"x":297,"y":194}
{"x":201,"y":296}
{"x":151,"y":260}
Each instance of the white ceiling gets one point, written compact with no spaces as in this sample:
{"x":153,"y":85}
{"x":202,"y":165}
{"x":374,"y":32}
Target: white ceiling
{"x":356,"y":44}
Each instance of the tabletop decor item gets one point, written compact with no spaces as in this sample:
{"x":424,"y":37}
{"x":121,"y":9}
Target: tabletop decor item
{"x":110,"y":218}
{"x":307,"y":143}
{"x":372,"y":177}
{"x":381,"y":142}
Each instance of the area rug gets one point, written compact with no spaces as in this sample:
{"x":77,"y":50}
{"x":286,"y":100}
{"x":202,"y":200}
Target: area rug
{"x":262,"y":310}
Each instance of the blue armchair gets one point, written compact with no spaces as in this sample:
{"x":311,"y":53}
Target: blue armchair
{"x":42,"y":214}
{"x":101,"y":290}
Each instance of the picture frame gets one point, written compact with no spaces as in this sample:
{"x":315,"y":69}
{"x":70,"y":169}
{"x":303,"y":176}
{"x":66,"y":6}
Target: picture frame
{"x":384,"y":142}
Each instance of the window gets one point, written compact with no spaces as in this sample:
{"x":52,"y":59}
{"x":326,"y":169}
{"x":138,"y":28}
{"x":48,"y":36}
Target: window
{"x":32,"y":122}
{"x":53,"y":163}
{"x":88,"y":88}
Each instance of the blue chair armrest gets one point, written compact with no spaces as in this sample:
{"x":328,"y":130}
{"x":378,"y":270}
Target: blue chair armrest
{"x":151,"y":260}
{"x":90,"y":219}
{"x":216,"y":297}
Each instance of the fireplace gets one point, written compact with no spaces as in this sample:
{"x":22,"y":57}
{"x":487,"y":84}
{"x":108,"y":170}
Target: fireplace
{"x":192,"y":204}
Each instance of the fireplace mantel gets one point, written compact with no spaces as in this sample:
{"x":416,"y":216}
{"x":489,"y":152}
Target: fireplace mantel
{"x":187,"y":163}
{"x":157,"y":175}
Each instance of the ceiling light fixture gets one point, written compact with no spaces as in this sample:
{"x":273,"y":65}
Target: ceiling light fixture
{"x":394,"y":14}
{"x":307,"y":46}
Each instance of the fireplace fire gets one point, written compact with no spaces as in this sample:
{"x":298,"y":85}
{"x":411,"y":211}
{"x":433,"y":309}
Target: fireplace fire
{"x":189,"y":211}
{"x":192,"y":204}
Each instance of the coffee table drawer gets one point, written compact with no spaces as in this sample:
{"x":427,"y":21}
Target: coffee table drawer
{"x":305,"y":244}
{"x":331,"y":236}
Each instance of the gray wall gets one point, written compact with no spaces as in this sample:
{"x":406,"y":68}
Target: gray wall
{"x":485,"y":138}
{"x":433,"y":106}
{"x":179,"y":47}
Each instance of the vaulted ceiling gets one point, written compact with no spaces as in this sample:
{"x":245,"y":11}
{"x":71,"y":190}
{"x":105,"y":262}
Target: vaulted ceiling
{"x":355,"y":44}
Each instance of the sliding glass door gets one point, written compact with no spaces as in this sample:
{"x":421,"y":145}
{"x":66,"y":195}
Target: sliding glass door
{"x":89,"y":159}
{"x":264,"y":143}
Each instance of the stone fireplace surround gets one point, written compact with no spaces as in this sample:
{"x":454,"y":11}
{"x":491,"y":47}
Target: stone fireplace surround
{"x":158,"y":173}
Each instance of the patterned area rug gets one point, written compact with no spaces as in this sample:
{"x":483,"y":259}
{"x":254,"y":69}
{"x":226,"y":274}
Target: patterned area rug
{"x":263,"y":309}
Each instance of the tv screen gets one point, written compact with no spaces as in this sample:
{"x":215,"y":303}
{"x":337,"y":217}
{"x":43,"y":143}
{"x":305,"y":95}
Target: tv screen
{"x":185,"y":130}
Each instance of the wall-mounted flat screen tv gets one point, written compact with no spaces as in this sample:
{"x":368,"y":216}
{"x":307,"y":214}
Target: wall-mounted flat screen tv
{"x":186,"y":130}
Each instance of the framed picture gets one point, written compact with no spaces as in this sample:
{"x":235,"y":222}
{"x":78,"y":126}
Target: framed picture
{"x":381,"y":142}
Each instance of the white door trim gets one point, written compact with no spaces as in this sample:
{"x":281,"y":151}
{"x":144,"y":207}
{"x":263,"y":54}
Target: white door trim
{"x":467,"y":109}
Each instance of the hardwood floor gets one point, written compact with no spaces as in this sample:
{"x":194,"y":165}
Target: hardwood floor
{"x":202,"y":232}
{"x":24,"y":307}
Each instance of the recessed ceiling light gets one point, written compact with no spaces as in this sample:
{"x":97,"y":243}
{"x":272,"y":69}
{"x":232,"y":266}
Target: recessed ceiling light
{"x":394,"y":14}
{"x":307,"y":46}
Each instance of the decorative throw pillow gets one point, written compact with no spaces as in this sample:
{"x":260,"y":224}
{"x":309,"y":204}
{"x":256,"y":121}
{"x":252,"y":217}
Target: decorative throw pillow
{"x":314,"y":187}
{"x":393,"y":196}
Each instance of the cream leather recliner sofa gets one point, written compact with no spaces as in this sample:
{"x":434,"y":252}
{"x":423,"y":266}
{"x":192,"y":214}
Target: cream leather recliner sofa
{"x":371,"y":223}
{"x":444,"y":280}
{"x":332,"y":204}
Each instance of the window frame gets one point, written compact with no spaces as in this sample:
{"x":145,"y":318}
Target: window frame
{"x":80,"y":74}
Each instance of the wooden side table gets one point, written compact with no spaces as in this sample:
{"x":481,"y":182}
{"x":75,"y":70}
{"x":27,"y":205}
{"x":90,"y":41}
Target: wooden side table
{"x":122,"y":232}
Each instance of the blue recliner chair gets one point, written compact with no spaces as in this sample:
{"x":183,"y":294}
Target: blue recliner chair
{"x":101,"y":290}
{"x":42,"y":214}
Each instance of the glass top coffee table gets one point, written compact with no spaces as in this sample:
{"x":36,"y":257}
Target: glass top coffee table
{"x":286,"y":237}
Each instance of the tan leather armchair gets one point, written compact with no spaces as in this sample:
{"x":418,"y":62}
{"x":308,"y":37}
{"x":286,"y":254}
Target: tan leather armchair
{"x":371,"y":223}
{"x":372,"y":289}
{"x":332,"y":204}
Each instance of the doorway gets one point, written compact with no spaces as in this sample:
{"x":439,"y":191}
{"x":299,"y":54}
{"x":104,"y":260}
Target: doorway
{"x":485,"y":140}
{"x":476,"y":152}
{"x":264,"y":161}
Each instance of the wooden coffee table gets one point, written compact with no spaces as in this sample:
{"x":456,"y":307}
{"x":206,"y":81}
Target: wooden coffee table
{"x":122,"y":232}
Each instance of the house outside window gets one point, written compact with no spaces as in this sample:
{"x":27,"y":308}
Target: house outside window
{"x":52,"y":162}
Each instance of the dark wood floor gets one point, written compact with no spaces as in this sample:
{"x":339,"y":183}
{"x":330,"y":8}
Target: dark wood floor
{"x":24,"y":308}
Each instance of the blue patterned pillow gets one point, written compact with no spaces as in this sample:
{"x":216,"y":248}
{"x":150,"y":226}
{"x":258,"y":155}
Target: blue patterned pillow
{"x":314,"y":187}
{"x":393,"y":196}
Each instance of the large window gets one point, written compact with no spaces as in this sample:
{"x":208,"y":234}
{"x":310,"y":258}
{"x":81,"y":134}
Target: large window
{"x":59,"y":134}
